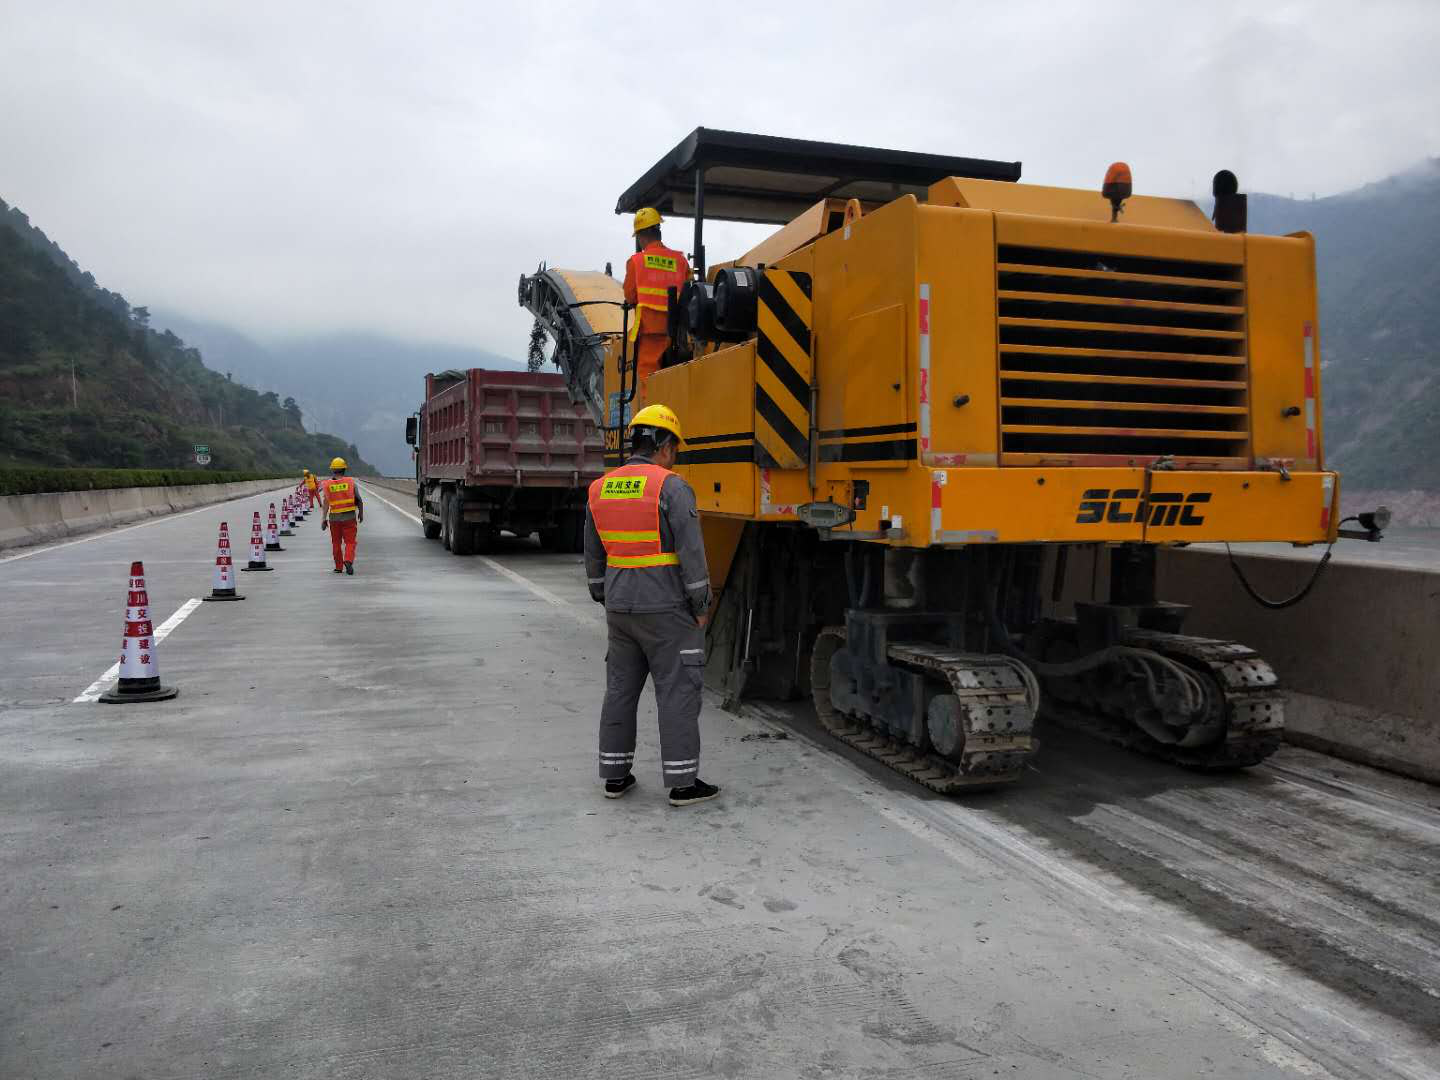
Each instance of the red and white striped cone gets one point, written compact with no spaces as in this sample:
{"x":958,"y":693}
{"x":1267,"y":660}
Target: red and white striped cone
{"x":257,"y":547}
{"x":286,"y":517}
{"x":297,"y":510}
{"x":272,"y":532}
{"x":222,"y":586}
{"x":139,"y":665}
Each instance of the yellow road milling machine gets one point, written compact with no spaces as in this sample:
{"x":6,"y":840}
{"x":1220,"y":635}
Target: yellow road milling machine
{"x":939,"y":423}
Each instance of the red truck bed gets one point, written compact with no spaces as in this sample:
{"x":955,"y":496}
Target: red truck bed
{"x":499,"y":428}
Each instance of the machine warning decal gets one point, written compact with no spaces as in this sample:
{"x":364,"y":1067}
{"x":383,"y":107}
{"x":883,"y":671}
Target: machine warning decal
{"x":782,"y":376}
{"x":623,"y":487}
{"x":1124,"y":505}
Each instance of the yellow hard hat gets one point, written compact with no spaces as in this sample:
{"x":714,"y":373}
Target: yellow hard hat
{"x":658,"y":416}
{"x":305,"y":471}
{"x":647,"y":217}
{"x":338,"y":463}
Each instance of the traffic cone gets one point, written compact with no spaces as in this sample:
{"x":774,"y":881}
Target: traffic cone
{"x":297,"y":511}
{"x":285,"y":517}
{"x":139,"y":665}
{"x":272,"y":532}
{"x":222,"y":586}
{"x":257,"y":547}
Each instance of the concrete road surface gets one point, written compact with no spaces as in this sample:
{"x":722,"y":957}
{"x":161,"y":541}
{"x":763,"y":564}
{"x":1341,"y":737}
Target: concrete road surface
{"x":367,"y":841}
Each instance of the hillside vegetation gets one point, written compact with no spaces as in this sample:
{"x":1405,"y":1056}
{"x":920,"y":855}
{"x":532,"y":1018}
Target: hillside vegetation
{"x":86,"y":382}
{"x":1379,"y":324}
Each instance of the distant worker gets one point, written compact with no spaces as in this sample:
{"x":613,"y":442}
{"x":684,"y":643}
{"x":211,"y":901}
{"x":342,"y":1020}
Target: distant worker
{"x":312,"y":487}
{"x":650,"y":273}
{"x":344,"y":511}
{"x":645,"y":561}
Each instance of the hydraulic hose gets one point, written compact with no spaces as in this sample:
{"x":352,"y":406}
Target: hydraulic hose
{"x":1289,"y":601}
{"x":1146,"y":661}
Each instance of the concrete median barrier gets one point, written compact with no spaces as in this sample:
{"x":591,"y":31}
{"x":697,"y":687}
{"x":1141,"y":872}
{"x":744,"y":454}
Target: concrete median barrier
{"x":35,"y":519}
{"x":403,"y":484}
{"x":1356,"y":656}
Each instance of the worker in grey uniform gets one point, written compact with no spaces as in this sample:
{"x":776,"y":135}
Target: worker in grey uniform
{"x":645,"y":561}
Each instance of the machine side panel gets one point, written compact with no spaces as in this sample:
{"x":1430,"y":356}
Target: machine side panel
{"x":1197,"y":507}
{"x":1284,"y":350}
{"x":958,"y":386}
{"x":970,"y":506}
{"x":712,"y":397}
{"x":1027,"y":230}
{"x":865,"y":310}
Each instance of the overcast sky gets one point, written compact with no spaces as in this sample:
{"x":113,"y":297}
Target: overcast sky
{"x":303,"y":167}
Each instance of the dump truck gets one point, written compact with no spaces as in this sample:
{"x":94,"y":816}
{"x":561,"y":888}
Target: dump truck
{"x":940,"y":422}
{"x":502,"y":451}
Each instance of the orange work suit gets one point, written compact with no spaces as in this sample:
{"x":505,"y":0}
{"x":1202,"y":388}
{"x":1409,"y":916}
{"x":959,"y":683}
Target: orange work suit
{"x":341,"y":509}
{"x":649,"y":274}
{"x":342,"y":542}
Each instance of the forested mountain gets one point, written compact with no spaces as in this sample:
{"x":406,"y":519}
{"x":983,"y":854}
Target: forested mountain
{"x":1379,"y":277}
{"x":86,"y":381}
{"x":360,"y":385}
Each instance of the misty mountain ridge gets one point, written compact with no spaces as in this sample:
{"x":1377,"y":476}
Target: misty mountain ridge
{"x":86,"y":381}
{"x":1379,"y":277}
{"x":360,"y":384}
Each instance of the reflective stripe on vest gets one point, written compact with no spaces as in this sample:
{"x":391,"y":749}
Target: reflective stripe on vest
{"x":340,"y":495}
{"x":625,"y":507}
{"x":657,"y":270}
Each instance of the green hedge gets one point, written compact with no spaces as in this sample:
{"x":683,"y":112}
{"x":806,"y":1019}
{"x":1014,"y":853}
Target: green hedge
{"x":21,"y":480}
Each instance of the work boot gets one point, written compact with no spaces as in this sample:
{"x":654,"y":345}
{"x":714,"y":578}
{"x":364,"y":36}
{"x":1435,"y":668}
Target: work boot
{"x":350,"y":568}
{"x":615,"y":789}
{"x":337,"y":570}
{"x":699,"y":791}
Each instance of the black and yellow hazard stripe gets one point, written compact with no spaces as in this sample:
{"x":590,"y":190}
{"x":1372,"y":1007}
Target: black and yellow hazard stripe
{"x":878,"y":443}
{"x":738,"y":446}
{"x":783,"y":370}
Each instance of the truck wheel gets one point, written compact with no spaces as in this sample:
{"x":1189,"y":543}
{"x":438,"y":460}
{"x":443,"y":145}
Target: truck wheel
{"x":462,"y":533}
{"x":445,"y":501}
{"x":431,"y":528}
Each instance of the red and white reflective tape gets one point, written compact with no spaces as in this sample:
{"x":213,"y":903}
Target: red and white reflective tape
{"x":224,"y":566}
{"x":938,"y":479}
{"x":924,"y":331}
{"x":1311,"y":441}
{"x":137,"y":647}
{"x":766,"y":506}
{"x":272,"y":532}
{"x":257,"y":541}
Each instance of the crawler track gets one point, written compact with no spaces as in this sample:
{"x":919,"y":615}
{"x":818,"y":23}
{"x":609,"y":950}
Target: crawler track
{"x":1245,"y":696}
{"x":998,"y":698}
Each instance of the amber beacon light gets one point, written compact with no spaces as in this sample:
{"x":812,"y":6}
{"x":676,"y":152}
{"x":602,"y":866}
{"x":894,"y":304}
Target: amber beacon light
{"x":1117,"y":187}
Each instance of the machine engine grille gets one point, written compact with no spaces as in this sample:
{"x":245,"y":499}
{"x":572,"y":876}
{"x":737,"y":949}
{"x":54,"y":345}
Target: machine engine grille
{"x":1119,"y":359}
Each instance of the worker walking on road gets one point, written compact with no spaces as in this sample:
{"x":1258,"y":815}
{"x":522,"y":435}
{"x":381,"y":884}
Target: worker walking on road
{"x":645,"y":560}
{"x":344,"y":511}
{"x":650,"y":273}
{"x":312,"y":487}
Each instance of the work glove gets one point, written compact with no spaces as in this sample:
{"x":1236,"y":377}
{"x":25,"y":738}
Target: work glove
{"x":597,"y":594}
{"x":324,"y":524}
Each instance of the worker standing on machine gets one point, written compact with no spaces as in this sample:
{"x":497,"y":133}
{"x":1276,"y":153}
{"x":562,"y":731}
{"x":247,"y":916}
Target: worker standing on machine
{"x":645,"y":561}
{"x":344,"y":511}
{"x":312,"y":487}
{"x":650,"y":273}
